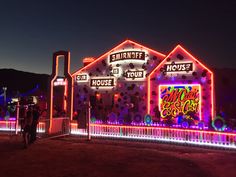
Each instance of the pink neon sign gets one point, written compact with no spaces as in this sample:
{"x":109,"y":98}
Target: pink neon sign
{"x":182,"y":99}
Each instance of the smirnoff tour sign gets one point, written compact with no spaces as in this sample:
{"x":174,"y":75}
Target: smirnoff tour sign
{"x":102,"y":82}
{"x":127,"y":55}
{"x":178,"y":67}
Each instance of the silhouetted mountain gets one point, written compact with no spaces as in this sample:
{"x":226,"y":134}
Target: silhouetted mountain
{"x":225,"y":85}
{"x":22,"y":81}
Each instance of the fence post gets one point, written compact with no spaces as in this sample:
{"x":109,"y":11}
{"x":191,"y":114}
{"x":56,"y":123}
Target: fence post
{"x":88,"y":119}
{"x":17,"y":117}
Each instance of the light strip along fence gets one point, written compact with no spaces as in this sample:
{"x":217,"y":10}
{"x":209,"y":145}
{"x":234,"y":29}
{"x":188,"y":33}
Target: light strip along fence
{"x":10,"y":125}
{"x":166,"y":134}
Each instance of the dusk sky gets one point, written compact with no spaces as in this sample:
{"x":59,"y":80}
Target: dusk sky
{"x":31,"y":31}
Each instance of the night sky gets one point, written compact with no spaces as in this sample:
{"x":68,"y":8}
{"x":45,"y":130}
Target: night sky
{"x":31,"y":31}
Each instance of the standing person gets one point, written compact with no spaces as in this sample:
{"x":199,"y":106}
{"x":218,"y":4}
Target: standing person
{"x":22,"y":115}
{"x":27,"y":126}
{"x":35,"y":121}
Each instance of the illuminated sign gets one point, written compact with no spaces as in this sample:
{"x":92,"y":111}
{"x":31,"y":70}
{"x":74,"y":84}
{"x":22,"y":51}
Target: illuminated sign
{"x":175,"y":100}
{"x":81,"y":78}
{"x":115,"y":71}
{"x":178,"y":67}
{"x":134,"y":74}
{"x":127,"y":55}
{"x":59,"y":82}
{"x":102,"y":82}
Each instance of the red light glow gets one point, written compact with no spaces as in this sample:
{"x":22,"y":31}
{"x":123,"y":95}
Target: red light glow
{"x":115,"y":48}
{"x":165,"y":60}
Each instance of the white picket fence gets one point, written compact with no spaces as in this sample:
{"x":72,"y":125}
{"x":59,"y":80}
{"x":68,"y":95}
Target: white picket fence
{"x":166,"y":134}
{"x":146,"y":133}
{"x":10,"y":126}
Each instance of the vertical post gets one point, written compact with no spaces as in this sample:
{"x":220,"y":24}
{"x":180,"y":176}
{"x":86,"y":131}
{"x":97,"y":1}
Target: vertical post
{"x":88,"y":120}
{"x":17,"y":117}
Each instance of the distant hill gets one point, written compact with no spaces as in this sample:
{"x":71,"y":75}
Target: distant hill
{"x":225,"y":85}
{"x":21,"y":81}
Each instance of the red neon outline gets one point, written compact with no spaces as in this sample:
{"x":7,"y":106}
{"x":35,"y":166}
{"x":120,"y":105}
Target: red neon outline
{"x":72,"y":99}
{"x":126,"y":41}
{"x":58,"y":54}
{"x":212,"y":84}
{"x":186,"y":52}
{"x":71,"y":89}
{"x":148,"y":94}
{"x":149,"y":77}
{"x":51,"y":97}
{"x":65,"y":97}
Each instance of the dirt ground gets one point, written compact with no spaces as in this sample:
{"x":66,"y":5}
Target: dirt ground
{"x":73,"y":156}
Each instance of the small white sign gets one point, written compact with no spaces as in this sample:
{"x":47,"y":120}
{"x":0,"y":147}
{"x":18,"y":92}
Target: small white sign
{"x":102,"y":82}
{"x":81,"y":78}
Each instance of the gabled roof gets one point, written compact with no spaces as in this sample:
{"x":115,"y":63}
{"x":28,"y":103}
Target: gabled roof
{"x":186,"y":52}
{"x":123,"y":43}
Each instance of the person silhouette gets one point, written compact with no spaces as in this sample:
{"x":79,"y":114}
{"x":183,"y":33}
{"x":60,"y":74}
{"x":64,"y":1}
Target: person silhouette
{"x":35,"y":116}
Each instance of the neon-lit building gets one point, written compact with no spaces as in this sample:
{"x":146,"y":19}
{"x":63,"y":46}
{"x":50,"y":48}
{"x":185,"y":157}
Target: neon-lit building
{"x":137,"y":93}
{"x":131,"y":84}
{"x":183,"y":88}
